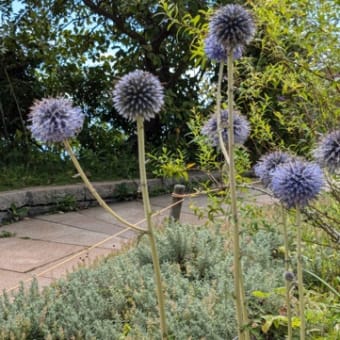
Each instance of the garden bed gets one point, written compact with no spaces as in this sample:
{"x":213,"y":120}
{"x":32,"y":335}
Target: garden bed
{"x":115,"y":298}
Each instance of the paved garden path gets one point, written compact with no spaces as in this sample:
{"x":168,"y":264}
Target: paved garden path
{"x":49,"y":246}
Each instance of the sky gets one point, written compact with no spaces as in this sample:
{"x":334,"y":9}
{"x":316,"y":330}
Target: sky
{"x":16,"y":5}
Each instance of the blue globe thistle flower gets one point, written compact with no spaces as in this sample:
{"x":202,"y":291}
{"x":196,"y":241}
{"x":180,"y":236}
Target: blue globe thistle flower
{"x":289,"y":276}
{"x":138,"y":93}
{"x":296,"y":183}
{"x":55,"y":119}
{"x":267,"y":164}
{"x":241,"y":128}
{"x":327,"y":153}
{"x":232,"y":25}
{"x":215,"y":51}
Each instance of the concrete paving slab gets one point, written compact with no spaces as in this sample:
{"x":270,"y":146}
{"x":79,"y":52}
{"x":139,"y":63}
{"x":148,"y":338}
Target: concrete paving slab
{"x":131,"y":211}
{"x":191,"y":219}
{"x":115,"y":242}
{"x":50,"y":231}
{"x":160,"y":201}
{"x":187,"y":214}
{"x":134,"y":211}
{"x":10,"y":280}
{"x":263,"y":200}
{"x":25,"y":255}
{"x":84,"y":219}
{"x":51,"y":272}
{"x":165,"y":201}
{"x":63,"y":267}
{"x":202,"y":200}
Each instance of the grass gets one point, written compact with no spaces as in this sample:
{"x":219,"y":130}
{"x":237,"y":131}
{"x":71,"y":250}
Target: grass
{"x":6,"y":234}
{"x":17,"y":176}
{"x":51,"y":166}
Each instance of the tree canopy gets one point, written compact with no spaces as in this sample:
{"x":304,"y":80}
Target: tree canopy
{"x":80,"y":48}
{"x":287,"y":82}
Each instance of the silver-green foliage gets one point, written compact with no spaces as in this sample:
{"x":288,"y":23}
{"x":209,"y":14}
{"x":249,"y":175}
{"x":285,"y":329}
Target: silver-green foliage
{"x":115,"y":298}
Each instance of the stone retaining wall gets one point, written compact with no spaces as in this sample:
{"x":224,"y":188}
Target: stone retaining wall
{"x":39,"y":200}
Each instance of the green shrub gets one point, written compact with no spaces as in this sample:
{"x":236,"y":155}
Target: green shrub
{"x":115,"y":299}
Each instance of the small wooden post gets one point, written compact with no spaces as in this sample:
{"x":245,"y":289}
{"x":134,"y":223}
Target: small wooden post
{"x":176,"y":209}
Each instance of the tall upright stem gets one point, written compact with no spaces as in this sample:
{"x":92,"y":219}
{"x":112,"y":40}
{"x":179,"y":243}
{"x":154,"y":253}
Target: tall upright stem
{"x":236,"y":251}
{"x":287,"y":283}
{"x":300,"y":275}
{"x":94,"y":192}
{"x":148,"y":212}
{"x":239,"y":286}
{"x":218,"y":115}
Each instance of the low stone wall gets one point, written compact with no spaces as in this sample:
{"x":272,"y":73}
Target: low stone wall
{"x":40,"y":200}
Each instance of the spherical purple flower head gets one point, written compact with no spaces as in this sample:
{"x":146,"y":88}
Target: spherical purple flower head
{"x":327,"y":153}
{"x":267,"y":164}
{"x":296,"y":183}
{"x":215,"y":51}
{"x":55,"y":119}
{"x":138,"y":93}
{"x":232,"y":25}
{"x":241,"y":128}
{"x":289,"y":276}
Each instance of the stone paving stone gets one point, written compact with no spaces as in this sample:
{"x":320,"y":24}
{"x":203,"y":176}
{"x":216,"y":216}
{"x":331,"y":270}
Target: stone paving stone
{"x":191,"y":219}
{"x":72,"y":263}
{"x":84,"y":219}
{"x":51,"y":272}
{"x":160,"y":201}
{"x":13,"y":279}
{"x":49,"y":231}
{"x":132,"y":212}
{"x":263,"y":200}
{"x":186,"y":216}
{"x":25,"y":255}
{"x":165,"y":201}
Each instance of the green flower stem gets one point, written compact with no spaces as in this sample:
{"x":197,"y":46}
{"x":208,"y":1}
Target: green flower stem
{"x":238,"y":299}
{"x":287,"y":283}
{"x":242,"y":314}
{"x":94,"y":192}
{"x":300,"y":275}
{"x":148,"y":212}
{"x":218,"y":115}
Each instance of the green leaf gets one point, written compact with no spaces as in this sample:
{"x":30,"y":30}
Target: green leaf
{"x":260,"y":295}
{"x":296,"y":322}
{"x":266,"y":326}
